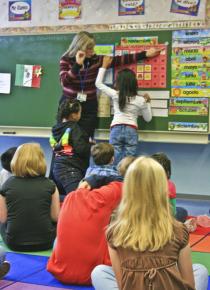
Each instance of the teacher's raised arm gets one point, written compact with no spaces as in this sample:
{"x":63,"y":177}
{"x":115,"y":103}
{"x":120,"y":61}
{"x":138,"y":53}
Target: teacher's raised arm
{"x":79,"y":67}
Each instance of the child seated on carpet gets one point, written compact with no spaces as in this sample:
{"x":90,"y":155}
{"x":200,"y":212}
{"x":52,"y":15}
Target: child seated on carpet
{"x":6,"y":158}
{"x":103,"y":157}
{"x":29,"y":202}
{"x":180,"y":212}
{"x":148,"y":247}
{"x":81,"y":242}
{"x":96,"y":181}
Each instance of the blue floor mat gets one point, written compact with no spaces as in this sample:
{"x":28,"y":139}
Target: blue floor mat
{"x":46,"y":279}
{"x":23,"y":266}
{"x":32,"y":269}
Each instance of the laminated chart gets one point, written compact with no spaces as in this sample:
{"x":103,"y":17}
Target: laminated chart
{"x":189,"y":106}
{"x":190,"y":78}
{"x":191,"y":63}
{"x":150,"y":72}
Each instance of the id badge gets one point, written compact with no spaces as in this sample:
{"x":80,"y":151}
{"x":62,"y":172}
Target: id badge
{"x":81,"y":97}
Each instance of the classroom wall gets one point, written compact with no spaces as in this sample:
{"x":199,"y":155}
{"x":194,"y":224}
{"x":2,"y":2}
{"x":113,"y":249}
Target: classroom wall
{"x":190,"y":163}
{"x":45,"y":13}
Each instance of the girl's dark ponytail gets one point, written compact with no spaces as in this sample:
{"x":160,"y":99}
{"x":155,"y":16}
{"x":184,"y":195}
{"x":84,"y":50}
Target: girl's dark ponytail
{"x":127,"y":86}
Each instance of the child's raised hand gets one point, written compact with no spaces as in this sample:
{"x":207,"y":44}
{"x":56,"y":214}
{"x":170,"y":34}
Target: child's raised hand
{"x":147,"y":98}
{"x":153,"y":52}
{"x":80,"y":57}
{"x":107,"y":60}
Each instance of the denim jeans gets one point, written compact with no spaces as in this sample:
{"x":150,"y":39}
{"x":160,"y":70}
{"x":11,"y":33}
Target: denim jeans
{"x":103,"y":277}
{"x":125,"y":140}
{"x":66,"y":176}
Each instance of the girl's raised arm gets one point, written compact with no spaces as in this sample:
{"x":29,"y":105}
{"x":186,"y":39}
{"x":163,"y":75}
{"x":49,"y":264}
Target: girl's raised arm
{"x":100,"y":78}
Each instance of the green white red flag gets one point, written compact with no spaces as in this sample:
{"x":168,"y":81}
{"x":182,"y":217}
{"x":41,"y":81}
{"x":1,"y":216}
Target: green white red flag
{"x":28,"y":75}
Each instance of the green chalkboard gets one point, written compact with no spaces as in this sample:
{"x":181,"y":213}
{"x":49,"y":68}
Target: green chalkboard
{"x":37,"y":107}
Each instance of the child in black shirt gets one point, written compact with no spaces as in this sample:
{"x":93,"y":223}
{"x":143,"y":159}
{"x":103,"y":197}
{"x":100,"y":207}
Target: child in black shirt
{"x":71,"y":147}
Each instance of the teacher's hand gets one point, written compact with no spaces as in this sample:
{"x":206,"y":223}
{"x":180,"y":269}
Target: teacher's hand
{"x":153,"y":52}
{"x":80,"y":57}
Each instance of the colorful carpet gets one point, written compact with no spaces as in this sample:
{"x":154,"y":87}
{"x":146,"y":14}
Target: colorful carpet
{"x":28,"y":270}
{"x":200,"y":243}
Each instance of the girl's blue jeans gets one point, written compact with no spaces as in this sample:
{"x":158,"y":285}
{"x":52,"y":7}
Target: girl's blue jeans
{"x":124,"y":138}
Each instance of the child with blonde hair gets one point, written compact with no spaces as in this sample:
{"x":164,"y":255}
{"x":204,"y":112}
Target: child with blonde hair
{"x":148,"y":247}
{"x":29,"y":202}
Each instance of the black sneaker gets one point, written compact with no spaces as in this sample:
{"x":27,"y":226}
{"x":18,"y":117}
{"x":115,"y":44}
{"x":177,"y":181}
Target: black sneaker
{"x":4,"y":269}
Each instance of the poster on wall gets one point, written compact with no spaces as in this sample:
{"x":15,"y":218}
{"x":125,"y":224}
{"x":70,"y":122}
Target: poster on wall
{"x":150,"y":72}
{"x":188,"y":126}
{"x":139,"y":40}
{"x":28,"y":75}
{"x":190,"y":79}
{"x":20,"y":10}
{"x":208,"y":11}
{"x":131,"y":7}
{"x":189,"y":106}
{"x":191,"y":63}
{"x":5,"y":83}
{"x":106,"y":49}
{"x":69,"y":9}
{"x":188,"y":7}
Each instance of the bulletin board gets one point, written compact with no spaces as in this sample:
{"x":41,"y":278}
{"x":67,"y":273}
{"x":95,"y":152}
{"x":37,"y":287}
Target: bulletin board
{"x":37,"y":107}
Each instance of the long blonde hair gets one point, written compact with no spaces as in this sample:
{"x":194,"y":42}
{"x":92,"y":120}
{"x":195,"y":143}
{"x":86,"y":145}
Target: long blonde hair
{"x":29,"y":160}
{"x":144,"y":220}
{"x":81,"y":41}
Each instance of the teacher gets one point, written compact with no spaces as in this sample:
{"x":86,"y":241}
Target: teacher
{"x":79,"y":67}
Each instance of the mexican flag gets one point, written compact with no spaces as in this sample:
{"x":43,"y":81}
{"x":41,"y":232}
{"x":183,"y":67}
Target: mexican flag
{"x":28,"y":75}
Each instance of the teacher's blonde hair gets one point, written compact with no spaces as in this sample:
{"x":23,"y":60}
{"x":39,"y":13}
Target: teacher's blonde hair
{"x":144,"y":220}
{"x":29,"y":160}
{"x":81,"y":41}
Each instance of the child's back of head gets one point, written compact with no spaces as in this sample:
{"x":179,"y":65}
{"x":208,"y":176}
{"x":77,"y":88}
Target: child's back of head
{"x":163,"y":159}
{"x":102,"y":153}
{"x":67,"y":108}
{"x":143,"y":219}
{"x":6,"y":158}
{"x":29,"y":160}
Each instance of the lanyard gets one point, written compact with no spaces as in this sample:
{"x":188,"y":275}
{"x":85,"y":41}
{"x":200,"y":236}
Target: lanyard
{"x":82,"y":80}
